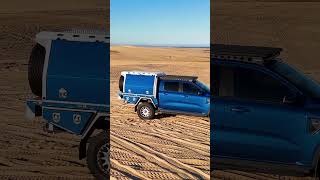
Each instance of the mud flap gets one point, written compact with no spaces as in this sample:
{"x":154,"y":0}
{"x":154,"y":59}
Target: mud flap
{"x":33,"y":109}
{"x":29,"y":114}
{"x":83,"y":145}
{"x":83,"y":148}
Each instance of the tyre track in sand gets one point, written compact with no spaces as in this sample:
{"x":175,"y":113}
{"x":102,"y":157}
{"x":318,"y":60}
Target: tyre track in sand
{"x":161,"y":134}
{"x":183,"y":170}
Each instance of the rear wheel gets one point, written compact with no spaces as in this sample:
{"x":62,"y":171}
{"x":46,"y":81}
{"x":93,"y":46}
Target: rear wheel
{"x":98,"y":156}
{"x":145,"y":110}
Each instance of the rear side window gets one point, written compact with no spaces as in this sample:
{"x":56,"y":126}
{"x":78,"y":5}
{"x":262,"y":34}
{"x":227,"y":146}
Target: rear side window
{"x":171,"y":86}
{"x":190,"y":89}
{"x":251,"y":84}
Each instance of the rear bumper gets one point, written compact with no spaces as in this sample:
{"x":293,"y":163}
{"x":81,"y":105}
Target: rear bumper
{"x":120,"y":95}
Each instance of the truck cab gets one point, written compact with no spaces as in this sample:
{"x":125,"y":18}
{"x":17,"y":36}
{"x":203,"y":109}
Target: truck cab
{"x":156,"y":92}
{"x":266,"y":113}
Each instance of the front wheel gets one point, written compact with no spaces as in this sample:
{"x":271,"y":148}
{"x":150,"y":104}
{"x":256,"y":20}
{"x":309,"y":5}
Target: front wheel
{"x":145,"y":110}
{"x":98,"y":156}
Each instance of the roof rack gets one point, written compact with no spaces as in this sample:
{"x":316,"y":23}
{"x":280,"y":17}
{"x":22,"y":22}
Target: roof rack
{"x":175,"y":77}
{"x":251,"y":54}
{"x":74,"y":35}
{"x":123,"y":73}
{"x":102,"y":32}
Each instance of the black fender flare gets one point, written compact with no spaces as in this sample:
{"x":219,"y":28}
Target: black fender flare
{"x":144,"y":99}
{"x":83,"y":144}
{"x":88,"y":132}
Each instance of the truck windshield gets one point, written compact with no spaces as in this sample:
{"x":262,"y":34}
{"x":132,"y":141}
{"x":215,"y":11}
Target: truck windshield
{"x":299,"y":79}
{"x":203,"y":86}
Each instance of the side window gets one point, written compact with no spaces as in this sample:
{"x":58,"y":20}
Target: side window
{"x":251,"y":85}
{"x":215,"y":79}
{"x":190,"y":89}
{"x":171,"y":86}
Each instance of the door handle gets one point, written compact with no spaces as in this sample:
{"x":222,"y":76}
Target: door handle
{"x":240,"y":109}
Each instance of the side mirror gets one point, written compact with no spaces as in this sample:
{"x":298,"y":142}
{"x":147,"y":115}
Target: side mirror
{"x":200,"y":93}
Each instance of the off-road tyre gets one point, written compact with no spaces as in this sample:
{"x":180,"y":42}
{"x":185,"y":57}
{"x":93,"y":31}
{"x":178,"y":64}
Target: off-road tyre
{"x":35,"y":69}
{"x":99,"y":147}
{"x":145,"y":111}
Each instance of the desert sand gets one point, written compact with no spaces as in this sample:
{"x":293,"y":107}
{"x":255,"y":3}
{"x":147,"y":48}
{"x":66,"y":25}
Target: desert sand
{"x":175,"y":147}
{"x":26,"y":152}
{"x":292,"y":25}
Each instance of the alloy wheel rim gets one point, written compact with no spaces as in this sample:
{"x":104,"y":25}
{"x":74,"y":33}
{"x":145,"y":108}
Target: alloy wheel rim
{"x":103,"y":159}
{"x":145,"y":111}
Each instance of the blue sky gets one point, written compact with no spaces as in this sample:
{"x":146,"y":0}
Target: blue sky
{"x":160,"y":22}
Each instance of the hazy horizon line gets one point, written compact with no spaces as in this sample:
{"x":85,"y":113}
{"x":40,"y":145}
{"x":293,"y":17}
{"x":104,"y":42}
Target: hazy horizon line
{"x":163,"y":45}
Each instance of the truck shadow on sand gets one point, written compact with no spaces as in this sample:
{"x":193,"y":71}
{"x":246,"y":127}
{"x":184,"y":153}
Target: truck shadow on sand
{"x":161,"y":116}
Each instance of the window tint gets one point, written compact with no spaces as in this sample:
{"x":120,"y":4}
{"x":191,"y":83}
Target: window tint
{"x":215,"y":80}
{"x":190,"y":89}
{"x":251,"y":85}
{"x":171,"y":86}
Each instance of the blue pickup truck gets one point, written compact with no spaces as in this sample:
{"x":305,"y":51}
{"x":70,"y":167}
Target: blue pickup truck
{"x":156,"y":92}
{"x":68,"y":75}
{"x":265,"y":113}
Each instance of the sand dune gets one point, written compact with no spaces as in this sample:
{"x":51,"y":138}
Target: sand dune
{"x":173,"y":147}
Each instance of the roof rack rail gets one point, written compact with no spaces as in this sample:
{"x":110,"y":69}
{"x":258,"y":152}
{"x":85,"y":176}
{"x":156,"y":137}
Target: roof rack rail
{"x":123,"y":73}
{"x":88,"y":31}
{"x":74,"y":35}
{"x":253,"y":54}
{"x":175,"y":77}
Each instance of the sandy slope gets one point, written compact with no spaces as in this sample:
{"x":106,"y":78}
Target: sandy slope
{"x":292,"y":26}
{"x":175,"y":147}
{"x":26,"y":152}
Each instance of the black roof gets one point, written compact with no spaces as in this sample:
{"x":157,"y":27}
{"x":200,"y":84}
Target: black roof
{"x":224,"y":51}
{"x":175,"y":77}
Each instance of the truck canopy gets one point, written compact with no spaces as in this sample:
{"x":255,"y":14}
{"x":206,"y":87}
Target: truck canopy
{"x":140,"y":83}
